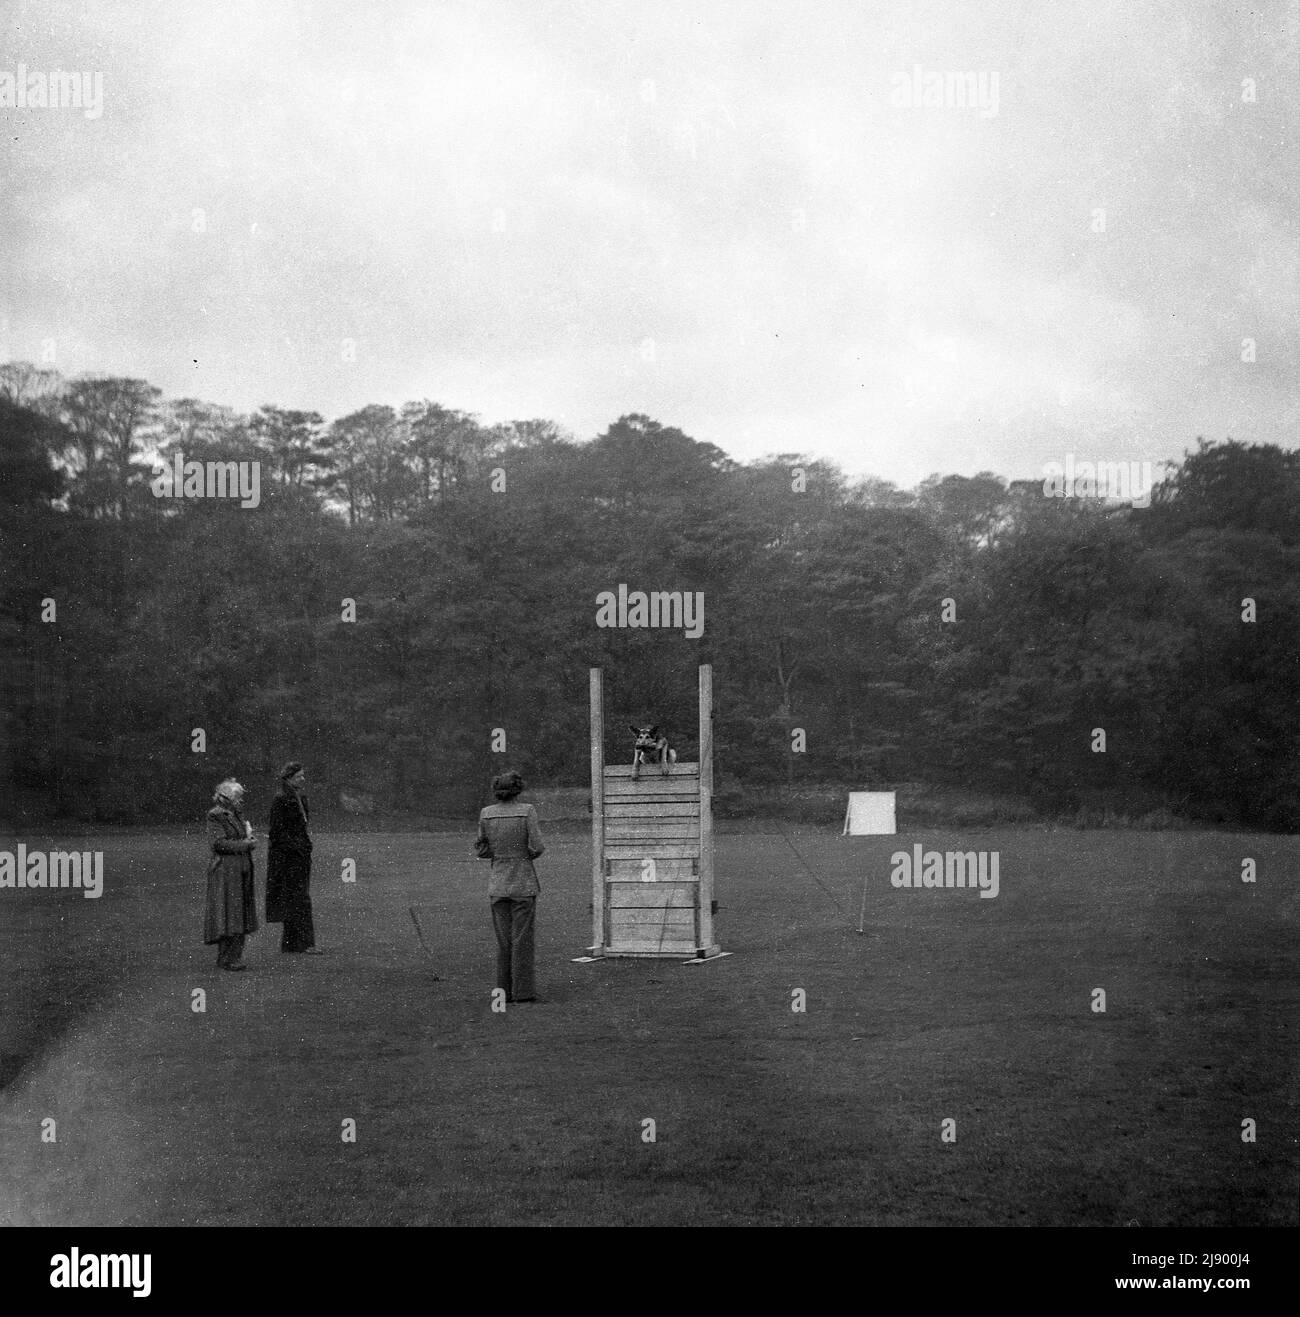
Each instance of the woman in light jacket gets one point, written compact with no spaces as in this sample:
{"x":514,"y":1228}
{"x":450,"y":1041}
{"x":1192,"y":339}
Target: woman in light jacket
{"x":509,"y":835}
{"x":230,"y":912}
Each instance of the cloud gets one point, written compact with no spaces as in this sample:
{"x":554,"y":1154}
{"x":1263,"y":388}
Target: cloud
{"x":500,"y":206}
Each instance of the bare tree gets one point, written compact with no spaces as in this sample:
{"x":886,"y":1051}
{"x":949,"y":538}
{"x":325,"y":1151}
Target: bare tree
{"x":369,"y":468}
{"x":31,"y":386}
{"x":442,"y":443}
{"x":111,"y":419}
{"x":294,"y":442}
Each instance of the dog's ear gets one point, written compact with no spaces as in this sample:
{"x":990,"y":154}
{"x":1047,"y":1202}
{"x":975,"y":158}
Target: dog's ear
{"x":654,"y":731}
{"x":636,"y":731}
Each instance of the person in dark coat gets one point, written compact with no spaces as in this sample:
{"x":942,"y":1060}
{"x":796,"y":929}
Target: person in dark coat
{"x":509,"y":835}
{"x":288,"y":863}
{"x":230,"y":912}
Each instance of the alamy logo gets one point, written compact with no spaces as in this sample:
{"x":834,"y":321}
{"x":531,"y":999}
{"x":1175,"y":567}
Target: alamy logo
{"x":679,"y":609}
{"x":1128,"y":482}
{"x":102,"y":1271}
{"x":922,"y":868}
{"x":945,"y":91}
{"x":84,"y":869}
{"x":182,"y":479}
{"x":53,"y":91}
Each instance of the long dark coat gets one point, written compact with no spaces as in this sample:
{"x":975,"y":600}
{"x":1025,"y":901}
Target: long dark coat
{"x":231,"y":905}
{"x":288,"y":857}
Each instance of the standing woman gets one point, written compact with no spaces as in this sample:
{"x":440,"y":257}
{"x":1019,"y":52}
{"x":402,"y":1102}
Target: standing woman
{"x":509,"y":835}
{"x":230,"y":912}
{"x":288,"y":863}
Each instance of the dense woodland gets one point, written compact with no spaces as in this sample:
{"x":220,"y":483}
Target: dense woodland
{"x":476,"y":608}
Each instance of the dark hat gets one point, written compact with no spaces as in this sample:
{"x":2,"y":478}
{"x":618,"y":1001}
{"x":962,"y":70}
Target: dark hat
{"x":292,"y":767}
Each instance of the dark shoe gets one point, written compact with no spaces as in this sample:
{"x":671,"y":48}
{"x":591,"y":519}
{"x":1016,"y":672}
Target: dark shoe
{"x":523,"y":999}
{"x":240,"y":965}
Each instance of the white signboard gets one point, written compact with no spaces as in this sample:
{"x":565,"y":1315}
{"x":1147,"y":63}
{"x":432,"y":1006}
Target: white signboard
{"x":870,"y":814}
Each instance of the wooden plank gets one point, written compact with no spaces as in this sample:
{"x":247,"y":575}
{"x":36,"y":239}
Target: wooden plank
{"x":666,"y":871}
{"x":653,"y":770}
{"x":649,"y":826}
{"x":705,"y":935}
{"x":624,"y":790}
{"x":649,"y":809}
{"x":597,"y":695}
{"x":622,"y":774}
{"x":637,"y":848}
{"x":644,"y":843}
{"x":653,"y":948}
{"x":643,"y":921}
{"x":650,"y":896}
{"x":659,"y":850}
{"x":651,"y":785}
{"x":623,"y":831}
{"x":679,"y":803}
{"x":650,"y":820}
{"x":645,"y":937}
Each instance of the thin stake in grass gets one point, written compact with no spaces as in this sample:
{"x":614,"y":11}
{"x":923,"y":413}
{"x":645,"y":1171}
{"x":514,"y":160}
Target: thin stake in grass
{"x":424,"y":946}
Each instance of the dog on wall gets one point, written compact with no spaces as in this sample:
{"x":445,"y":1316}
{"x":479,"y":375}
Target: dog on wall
{"x":650,"y":747}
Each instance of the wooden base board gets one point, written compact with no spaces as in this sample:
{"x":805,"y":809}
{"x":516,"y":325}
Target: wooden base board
{"x":666,"y":954}
{"x":713,"y":953}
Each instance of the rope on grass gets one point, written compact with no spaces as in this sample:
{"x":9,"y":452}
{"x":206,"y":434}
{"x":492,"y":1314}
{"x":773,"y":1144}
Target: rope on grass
{"x":811,"y":871}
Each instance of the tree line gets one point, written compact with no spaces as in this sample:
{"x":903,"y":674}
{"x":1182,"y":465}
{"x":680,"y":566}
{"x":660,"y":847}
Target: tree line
{"x":970,"y":631}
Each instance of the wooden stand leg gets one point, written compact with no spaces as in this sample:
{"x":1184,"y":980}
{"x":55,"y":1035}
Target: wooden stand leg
{"x":598,"y":893}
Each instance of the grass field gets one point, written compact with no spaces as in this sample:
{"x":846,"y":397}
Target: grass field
{"x":950,"y":1006}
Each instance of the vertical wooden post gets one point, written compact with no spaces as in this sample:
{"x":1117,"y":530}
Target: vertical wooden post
{"x":706,"y":809}
{"x":598,"y":891}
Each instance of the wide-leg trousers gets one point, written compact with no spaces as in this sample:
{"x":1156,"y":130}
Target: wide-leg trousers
{"x":299,"y":930}
{"x":230,"y":950}
{"x":512,"y":917}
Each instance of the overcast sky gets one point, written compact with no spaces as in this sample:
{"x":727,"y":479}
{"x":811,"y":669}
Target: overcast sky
{"x":717,"y":213}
